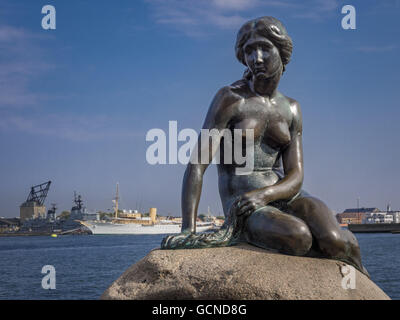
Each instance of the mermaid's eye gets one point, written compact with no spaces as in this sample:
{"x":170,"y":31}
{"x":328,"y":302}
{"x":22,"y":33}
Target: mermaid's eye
{"x":248,"y":49}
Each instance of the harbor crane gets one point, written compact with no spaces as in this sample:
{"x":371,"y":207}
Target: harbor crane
{"x":38,"y":193}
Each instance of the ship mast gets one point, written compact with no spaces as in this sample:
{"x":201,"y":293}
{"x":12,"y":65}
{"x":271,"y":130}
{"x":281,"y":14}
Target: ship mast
{"x":116,"y":203}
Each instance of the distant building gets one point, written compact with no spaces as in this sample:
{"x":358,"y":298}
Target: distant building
{"x":383,"y":217}
{"x":396,"y":216}
{"x":133,"y":214}
{"x":31,"y":210}
{"x":33,"y":207}
{"x":355,"y":216}
{"x":9,"y":224}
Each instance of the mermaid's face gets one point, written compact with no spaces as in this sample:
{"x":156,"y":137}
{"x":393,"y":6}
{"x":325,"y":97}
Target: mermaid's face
{"x":262,"y":57}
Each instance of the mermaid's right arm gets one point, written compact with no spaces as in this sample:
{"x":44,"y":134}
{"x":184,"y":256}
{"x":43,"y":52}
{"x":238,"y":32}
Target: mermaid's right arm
{"x":218,"y":117}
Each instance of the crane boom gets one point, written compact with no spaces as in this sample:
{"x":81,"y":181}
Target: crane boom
{"x":38,"y":193}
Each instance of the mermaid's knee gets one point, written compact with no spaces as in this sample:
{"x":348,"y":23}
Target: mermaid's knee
{"x":278,"y":231}
{"x":304,"y":239}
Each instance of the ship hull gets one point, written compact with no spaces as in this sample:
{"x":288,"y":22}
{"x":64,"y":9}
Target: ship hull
{"x":374,"y":228}
{"x":133,"y":228}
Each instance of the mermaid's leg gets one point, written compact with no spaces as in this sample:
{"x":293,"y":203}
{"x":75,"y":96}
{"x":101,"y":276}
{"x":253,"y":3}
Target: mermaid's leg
{"x":267,"y":227}
{"x":270,"y":228}
{"x":332,"y":241}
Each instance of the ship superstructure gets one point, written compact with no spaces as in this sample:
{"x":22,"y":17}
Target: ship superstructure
{"x":137,"y":223}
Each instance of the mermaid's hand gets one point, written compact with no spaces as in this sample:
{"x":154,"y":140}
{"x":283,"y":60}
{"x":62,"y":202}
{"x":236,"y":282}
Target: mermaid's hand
{"x":249,"y":202}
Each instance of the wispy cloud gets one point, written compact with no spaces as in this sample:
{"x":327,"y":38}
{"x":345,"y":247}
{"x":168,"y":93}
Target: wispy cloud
{"x":67,"y":127}
{"x":234,"y":4}
{"x":191,"y":16}
{"x":20,"y":62}
{"x":194,"y":17}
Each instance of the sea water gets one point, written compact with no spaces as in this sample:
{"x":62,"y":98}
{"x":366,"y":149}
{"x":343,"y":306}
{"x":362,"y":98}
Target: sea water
{"x":86,"y":265}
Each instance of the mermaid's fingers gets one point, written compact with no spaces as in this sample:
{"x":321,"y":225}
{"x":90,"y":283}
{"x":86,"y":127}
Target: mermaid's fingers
{"x":248,"y":206}
{"x":245,"y":203}
{"x":247,"y":213}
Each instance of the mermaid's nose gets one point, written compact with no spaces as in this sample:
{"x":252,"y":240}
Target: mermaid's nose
{"x":259,"y":55}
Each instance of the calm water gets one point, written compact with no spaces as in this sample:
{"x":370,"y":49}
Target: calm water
{"x":87,"y":265}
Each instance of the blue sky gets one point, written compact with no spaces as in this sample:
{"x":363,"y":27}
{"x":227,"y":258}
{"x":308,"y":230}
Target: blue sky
{"x":76,"y":102}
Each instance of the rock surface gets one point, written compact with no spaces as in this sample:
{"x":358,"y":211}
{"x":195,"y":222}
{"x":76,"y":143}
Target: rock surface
{"x":239,"y":272}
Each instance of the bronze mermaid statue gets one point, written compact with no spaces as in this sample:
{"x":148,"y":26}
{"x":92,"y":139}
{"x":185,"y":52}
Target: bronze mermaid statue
{"x":266,"y":207}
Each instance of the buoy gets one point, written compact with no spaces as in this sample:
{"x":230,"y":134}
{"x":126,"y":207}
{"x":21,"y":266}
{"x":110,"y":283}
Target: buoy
{"x":54,"y":235}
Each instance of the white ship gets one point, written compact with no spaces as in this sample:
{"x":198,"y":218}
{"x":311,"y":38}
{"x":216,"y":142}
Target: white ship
{"x":134,"y":223}
{"x":135,"y":228}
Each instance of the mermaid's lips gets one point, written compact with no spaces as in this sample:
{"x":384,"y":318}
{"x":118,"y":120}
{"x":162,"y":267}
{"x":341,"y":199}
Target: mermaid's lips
{"x":259,"y":70}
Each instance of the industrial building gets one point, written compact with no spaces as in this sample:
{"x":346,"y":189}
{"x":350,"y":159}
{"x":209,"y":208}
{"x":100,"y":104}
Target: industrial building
{"x":9,"y":224}
{"x":368,"y":215}
{"x":388,"y":216}
{"x":33,"y":207}
{"x":355,"y":216}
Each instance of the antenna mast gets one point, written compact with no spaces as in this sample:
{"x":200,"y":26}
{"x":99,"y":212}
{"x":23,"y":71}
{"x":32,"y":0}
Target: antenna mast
{"x":116,"y":203}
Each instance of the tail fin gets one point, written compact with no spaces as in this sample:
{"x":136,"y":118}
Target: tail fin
{"x":227,"y":235}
